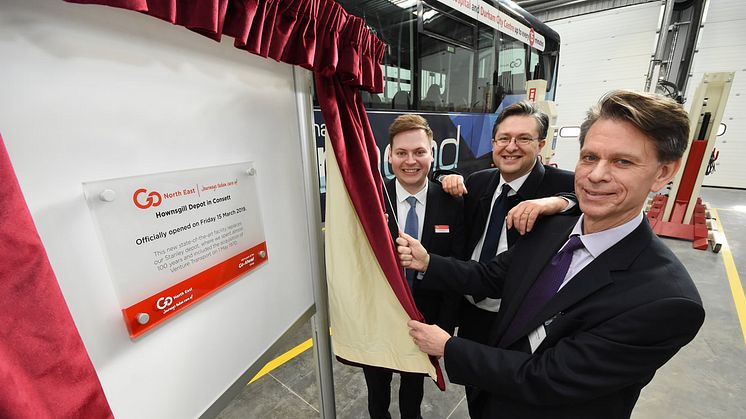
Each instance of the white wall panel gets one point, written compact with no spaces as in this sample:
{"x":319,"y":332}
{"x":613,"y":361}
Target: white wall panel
{"x":92,"y":92}
{"x":604,"y":71}
{"x":726,"y":11}
{"x":600,"y":52}
{"x":722,"y":47}
{"x":723,"y":34}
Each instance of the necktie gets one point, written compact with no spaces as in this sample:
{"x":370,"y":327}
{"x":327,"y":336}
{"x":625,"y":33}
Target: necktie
{"x":410,"y":227}
{"x":544,"y":288}
{"x":495,"y":226}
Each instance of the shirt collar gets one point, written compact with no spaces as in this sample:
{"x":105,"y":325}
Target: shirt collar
{"x":598,"y":242}
{"x":515,"y":184}
{"x":402,"y":194}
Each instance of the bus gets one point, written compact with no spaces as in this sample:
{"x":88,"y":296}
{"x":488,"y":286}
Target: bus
{"x":457,"y":63}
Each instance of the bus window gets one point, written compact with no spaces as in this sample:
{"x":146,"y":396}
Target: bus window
{"x":397,"y":70}
{"x":446,"y":61}
{"x":458,"y":68}
{"x":535,"y":70}
{"x":447,"y":25}
{"x":445,"y":75}
{"x":542,"y":67}
{"x":512,"y":65}
{"x":548,"y":64}
{"x":394,"y":24}
{"x":397,"y":89}
{"x":486,"y":95}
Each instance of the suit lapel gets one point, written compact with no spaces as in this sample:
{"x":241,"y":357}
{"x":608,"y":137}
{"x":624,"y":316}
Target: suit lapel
{"x":430,"y":209}
{"x":591,"y":278}
{"x":598,"y":273}
{"x":530,"y":187}
{"x":531,"y":257}
{"x":391,"y":208}
{"x":483,"y":210}
{"x":529,"y":190}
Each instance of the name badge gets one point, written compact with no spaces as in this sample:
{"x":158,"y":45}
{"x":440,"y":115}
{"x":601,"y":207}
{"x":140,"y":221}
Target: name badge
{"x":536,"y":337}
{"x":442,"y":229}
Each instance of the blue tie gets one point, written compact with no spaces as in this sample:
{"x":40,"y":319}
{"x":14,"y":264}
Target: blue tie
{"x":412,"y":224}
{"x":495,"y":226}
{"x":544,"y":288}
{"x":410,"y":227}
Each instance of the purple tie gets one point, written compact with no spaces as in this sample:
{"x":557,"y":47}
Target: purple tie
{"x":544,"y":288}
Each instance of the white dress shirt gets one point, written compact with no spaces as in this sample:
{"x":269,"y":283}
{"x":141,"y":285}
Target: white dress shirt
{"x":493,"y":304}
{"x":402,"y":207}
{"x":596,"y":243}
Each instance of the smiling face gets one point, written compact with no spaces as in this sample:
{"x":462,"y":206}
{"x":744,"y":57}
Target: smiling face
{"x":617,"y":168}
{"x":411,"y":157}
{"x":513,"y":159}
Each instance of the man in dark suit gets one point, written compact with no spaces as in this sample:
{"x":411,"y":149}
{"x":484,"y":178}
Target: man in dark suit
{"x":518,"y":136}
{"x":585,"y":320}
{"x":422,"y":209}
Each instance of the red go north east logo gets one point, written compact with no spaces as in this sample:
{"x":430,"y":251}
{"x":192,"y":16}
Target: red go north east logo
{"x":152,"y":199}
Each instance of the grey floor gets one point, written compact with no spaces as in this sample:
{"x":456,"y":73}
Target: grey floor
{"x":707,"y":379}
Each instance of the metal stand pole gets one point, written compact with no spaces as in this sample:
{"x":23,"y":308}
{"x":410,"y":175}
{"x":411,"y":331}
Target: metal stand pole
{"x":320,"y":321}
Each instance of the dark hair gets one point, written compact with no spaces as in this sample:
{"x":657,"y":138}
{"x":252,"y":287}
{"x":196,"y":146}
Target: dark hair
{"x":408,"y":122}
{"x":524,"y":108}
{"x":662,"y":119}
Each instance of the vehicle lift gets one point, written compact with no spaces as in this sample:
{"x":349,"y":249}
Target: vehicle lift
{"x":681,"y":213}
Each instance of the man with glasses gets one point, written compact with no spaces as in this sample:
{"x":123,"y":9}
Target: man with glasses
{"x":520,"y":186}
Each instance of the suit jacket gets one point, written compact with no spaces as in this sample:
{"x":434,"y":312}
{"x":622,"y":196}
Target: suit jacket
{"x":438,"y":307}
{"x":542,"y":182}
{"x":607,"y":331}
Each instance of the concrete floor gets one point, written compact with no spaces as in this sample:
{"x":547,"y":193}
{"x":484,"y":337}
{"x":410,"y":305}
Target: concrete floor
{"x":707,"y":379}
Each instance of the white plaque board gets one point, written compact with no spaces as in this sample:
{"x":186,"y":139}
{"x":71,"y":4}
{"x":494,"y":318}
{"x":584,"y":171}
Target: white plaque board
{"x":173,"y":238}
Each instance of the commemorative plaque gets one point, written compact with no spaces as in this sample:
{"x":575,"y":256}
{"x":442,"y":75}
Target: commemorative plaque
{"x":171,"y":239}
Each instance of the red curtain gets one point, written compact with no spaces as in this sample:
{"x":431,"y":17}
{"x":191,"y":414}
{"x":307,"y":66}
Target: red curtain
{"x":344,"y":56}
{"x":44,"y":369}
{"x":284,"y":30}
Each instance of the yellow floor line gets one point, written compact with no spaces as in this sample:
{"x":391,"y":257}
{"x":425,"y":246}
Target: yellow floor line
{"x":287,"y":356}
{"x":736,"y":288}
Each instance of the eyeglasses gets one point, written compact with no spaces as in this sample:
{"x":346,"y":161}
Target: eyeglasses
{"x":520,"y":140}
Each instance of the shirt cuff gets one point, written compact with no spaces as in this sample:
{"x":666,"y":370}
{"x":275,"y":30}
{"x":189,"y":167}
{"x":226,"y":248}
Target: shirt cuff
{"x":570,"y":204}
